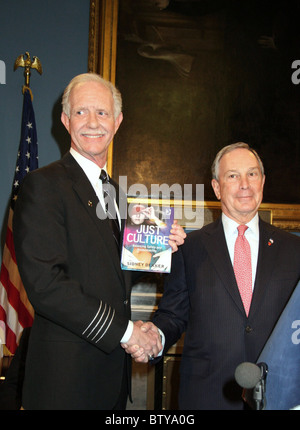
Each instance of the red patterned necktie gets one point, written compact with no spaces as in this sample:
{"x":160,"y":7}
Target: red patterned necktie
{"x":242,"y":267}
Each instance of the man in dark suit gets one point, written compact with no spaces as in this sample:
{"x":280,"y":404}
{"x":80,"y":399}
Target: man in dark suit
{"x":201,"y":295}
{"x":69,"y":263}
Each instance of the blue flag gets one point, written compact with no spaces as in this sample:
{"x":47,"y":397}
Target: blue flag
{"x":27,"y":159}
{"x":282,"y":355}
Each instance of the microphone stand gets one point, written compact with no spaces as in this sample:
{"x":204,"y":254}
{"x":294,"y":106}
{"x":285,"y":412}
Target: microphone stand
{"x":260,"y":388}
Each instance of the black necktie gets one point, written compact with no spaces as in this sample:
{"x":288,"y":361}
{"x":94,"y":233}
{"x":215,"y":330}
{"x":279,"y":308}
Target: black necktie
{"x":110,"y":206}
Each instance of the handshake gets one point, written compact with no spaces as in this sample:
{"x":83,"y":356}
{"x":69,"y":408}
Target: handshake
{"x":144,"y":343}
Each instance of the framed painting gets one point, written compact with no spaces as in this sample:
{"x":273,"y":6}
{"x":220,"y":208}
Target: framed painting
{"x":196,"y":75}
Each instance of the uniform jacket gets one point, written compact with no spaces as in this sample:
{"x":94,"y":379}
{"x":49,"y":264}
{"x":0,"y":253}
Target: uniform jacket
{"x":70,"y":267}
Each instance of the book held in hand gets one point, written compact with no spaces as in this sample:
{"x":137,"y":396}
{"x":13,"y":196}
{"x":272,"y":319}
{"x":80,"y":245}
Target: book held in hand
{"x":146,"y":236}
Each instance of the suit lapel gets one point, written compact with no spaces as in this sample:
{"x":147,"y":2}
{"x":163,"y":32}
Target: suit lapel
{"x":215,"y":243}
{"x":89,"y":202}
{"x":123,"y":207}
{"x":266,"y":261}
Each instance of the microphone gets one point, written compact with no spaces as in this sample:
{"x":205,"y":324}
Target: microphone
{"x":252,"y":377}
{"x":247,"y":375}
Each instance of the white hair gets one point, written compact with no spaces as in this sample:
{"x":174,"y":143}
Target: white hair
{"x":91,"y":77}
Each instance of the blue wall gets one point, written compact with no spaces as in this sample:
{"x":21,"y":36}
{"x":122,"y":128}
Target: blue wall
{"x":56,"y":31}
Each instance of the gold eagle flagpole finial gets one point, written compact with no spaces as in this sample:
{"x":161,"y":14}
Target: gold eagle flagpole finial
{"x":25,"y":61}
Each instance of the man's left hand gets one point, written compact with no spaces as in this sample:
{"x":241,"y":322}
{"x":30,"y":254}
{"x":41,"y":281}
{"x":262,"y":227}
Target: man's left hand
{"x":177,"y":236}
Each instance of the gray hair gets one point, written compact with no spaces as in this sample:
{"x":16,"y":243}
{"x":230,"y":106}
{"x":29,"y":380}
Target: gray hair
{"x":91,"y":77}
{"x":229,"y":148}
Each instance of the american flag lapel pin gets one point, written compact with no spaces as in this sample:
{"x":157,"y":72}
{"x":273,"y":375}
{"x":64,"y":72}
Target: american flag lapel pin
{"x":270,"y":242}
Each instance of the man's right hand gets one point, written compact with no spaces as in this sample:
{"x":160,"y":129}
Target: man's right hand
{"x":144,"y":343}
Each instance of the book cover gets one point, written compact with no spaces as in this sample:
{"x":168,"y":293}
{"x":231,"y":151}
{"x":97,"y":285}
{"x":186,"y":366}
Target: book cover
{"x":146,"y":235}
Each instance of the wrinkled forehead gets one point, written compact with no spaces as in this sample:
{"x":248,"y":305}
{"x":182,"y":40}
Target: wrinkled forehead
{"x":90,"y":90}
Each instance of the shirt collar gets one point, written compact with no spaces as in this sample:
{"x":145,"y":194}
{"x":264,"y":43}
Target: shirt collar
{"x":91,"y":169}
{"x":230,"y":226}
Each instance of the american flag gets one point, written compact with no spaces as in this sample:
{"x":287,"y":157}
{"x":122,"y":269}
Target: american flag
{"x":16,"y":312}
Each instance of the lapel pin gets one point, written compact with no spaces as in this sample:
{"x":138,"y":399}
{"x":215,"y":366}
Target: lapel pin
{"x":90,"y":203}
{"x":271,"y":241}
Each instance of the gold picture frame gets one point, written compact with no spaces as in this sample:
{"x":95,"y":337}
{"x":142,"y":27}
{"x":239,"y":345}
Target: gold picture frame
{"x":103,"y":45}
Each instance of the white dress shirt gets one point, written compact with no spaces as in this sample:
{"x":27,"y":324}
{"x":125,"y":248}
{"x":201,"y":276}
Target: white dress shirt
{"x":252,"y":235}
